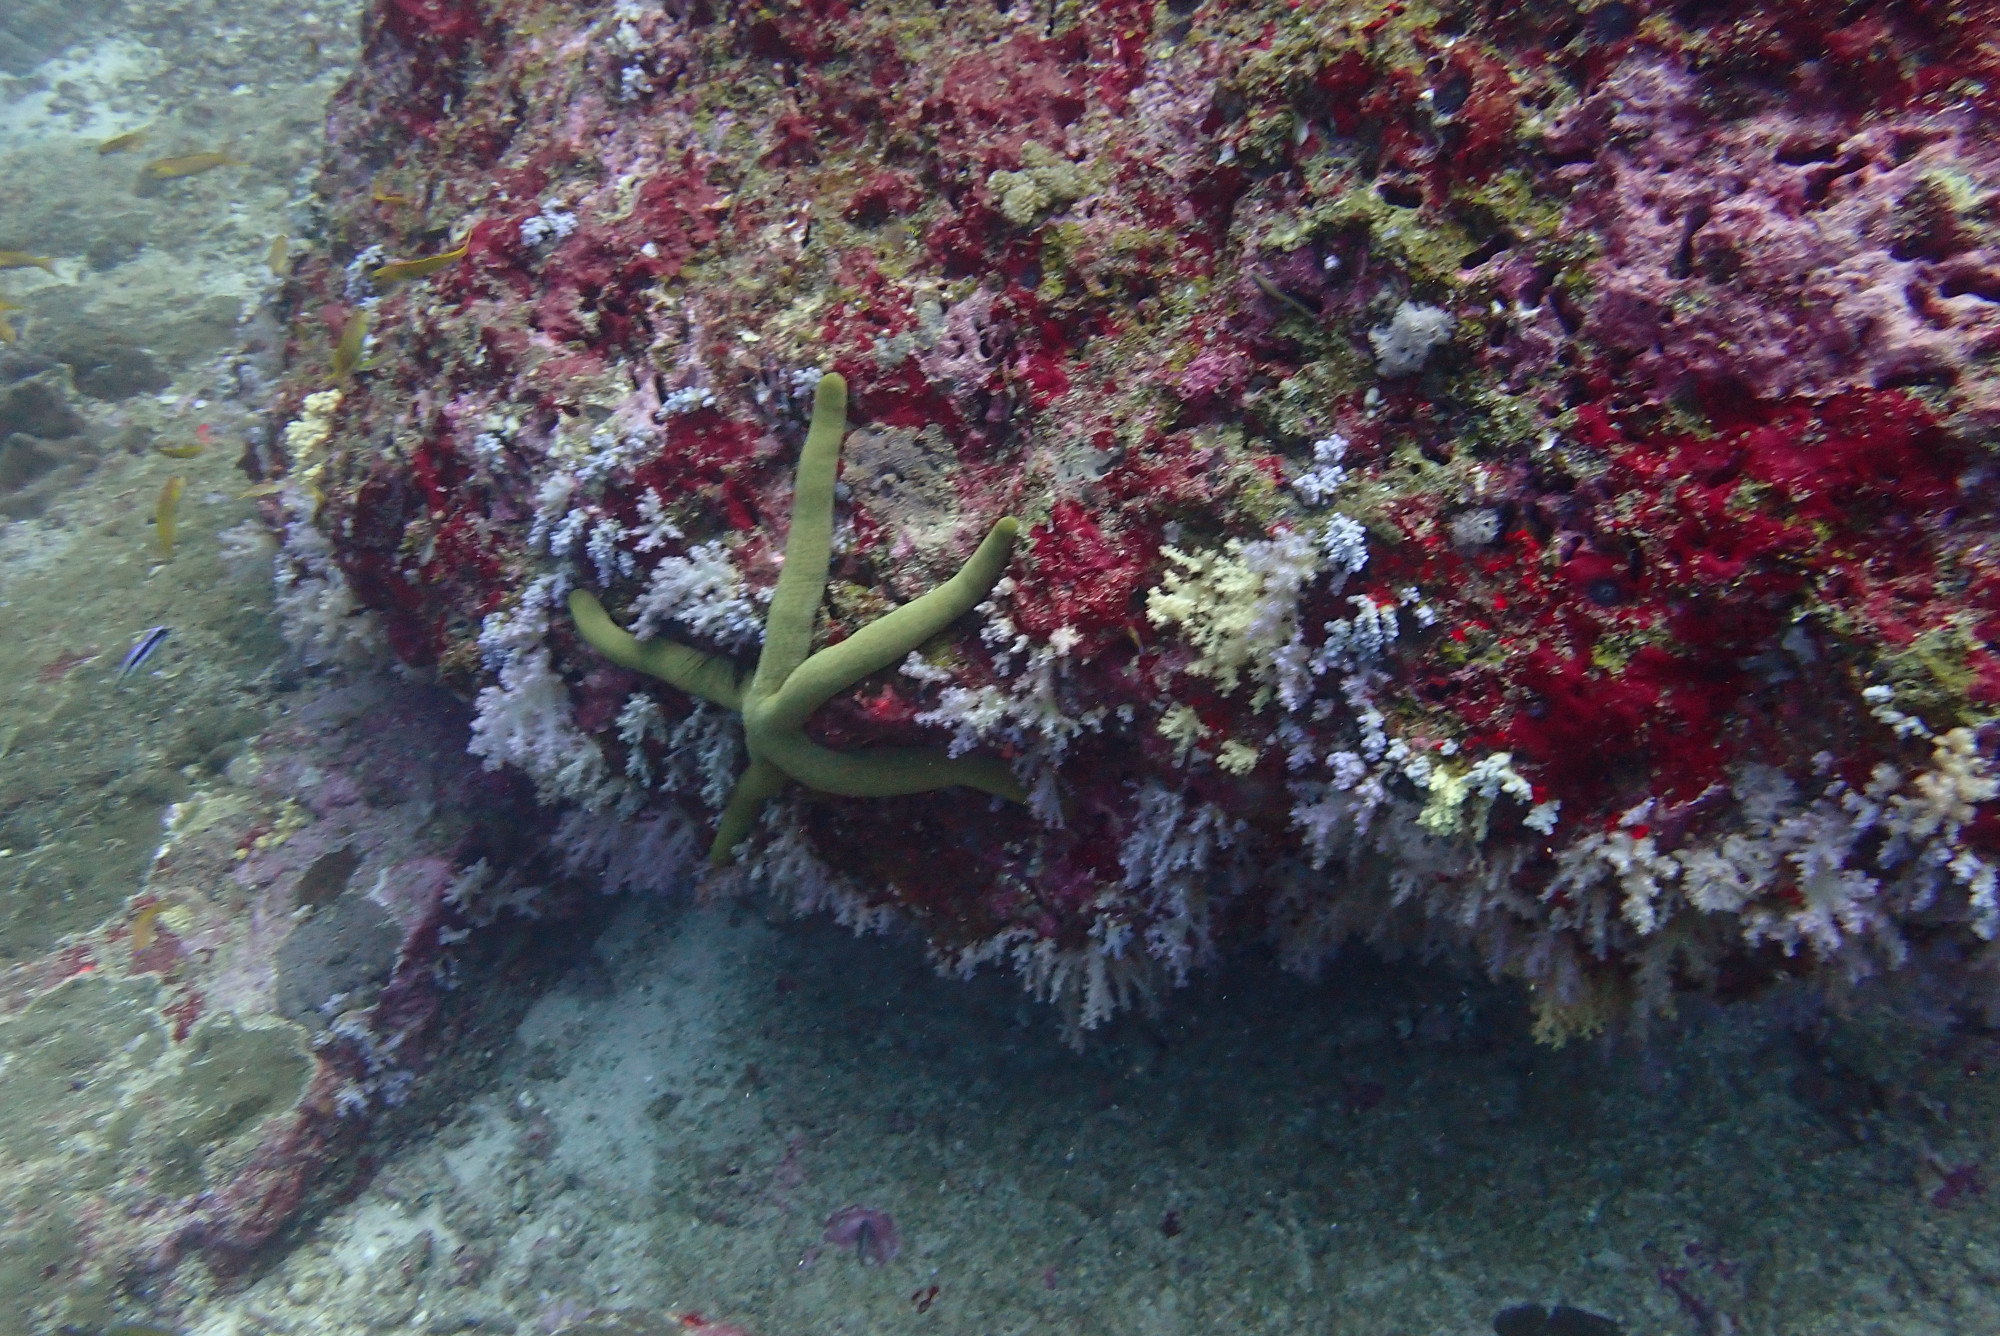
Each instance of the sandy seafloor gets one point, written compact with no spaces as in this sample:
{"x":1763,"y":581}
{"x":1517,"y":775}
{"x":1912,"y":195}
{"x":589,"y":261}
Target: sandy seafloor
{"x":698,"y":1087}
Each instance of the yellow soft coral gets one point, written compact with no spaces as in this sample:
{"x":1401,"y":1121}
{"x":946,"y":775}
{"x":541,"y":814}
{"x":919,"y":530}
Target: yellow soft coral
{"x":1238,"y":607}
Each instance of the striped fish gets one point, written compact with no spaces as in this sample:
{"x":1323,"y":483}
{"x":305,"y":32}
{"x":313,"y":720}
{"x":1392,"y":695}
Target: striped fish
{"x":141,"y":651}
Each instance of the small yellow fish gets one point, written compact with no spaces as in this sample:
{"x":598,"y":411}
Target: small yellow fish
{"x":260,"y":489}
{"x":347,"y":353}
{"x":392,"y":199}
{"x":193,"y":164}
{"x":164,"y":511}
{"x":144,"y":929}
{"x":178,"y":451}
{"x":131,"y":139}
{"x":23,"y":260}
{"x":7,"y":334}
{"x":1278,"y":294}
{"x":397,"y":270}
{"x":275,"y":258}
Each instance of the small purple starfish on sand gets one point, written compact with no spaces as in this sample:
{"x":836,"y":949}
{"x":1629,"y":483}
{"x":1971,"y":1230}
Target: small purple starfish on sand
{"x":872,"y":1234}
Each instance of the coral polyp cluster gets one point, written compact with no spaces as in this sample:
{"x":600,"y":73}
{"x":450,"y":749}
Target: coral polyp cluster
{"x":1517,"y":487}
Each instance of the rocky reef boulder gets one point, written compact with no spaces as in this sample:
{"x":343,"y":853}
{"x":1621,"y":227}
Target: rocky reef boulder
{"x":1514,"y":486}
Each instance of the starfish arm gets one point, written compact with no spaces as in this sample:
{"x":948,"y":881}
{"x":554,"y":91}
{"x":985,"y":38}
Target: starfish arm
{"x":788,"y":626}
{"x":885,"y":640}
{"x":887,"y":772}
{"x":689,"y":669}
{"x":791,"y":681}
{"x":760,"y":783}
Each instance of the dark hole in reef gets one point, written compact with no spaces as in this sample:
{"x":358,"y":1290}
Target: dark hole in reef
{"x":1905,"y":144}
{"x":1574,"y":156}
{"x":1486,"y":250}
{"x":1925,"y":225}
{"x":1451,"y":93}
{"x":1605,"y":592}
{"x":1437,"y":689}
{"x":1532,"y":290}
{"x":1941,"y":377}
{"x":1802,"y":149}
{"x":1562,"y":1320}
{"x":1567,"y":311}
{"x":1820,"y":184}
{"x":1718,"y":263}
{"x":1698,"y":13}
{"x":1966,"y":280}
{"x":1401,"y":193}
{"x":1682,"y":266}
{"x":1613,"y":22}
{"x":1181,"y":8}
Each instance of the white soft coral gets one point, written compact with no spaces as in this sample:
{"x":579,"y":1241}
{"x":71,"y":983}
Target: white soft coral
{"x":525,"y":722}
{"x":704,"y":592}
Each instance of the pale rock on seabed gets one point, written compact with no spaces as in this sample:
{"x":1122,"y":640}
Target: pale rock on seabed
{"x":672,"y":1123}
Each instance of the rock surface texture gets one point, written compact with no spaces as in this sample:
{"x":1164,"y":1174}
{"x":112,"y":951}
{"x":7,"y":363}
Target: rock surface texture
{"x":1513,"y":485}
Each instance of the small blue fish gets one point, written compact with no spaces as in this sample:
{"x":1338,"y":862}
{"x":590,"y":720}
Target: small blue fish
{"x":142,"y":651}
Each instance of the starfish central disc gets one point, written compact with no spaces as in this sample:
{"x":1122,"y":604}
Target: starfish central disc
{"x":791,"y":681}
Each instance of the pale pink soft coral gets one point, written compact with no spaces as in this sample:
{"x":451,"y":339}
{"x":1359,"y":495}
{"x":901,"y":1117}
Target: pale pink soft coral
{"x":1790,"y":253}
{"x":968,"y":351}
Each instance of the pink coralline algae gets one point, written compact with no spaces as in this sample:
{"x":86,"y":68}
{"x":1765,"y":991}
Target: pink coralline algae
{"x":1511,"y":487}
{"x":1791,"y":253}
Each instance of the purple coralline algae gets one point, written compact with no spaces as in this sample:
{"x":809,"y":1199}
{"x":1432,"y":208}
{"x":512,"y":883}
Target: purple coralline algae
{"x":1511,"y":486}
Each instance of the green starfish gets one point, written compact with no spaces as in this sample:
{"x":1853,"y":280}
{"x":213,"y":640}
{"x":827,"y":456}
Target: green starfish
{"x":791,"y":681}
